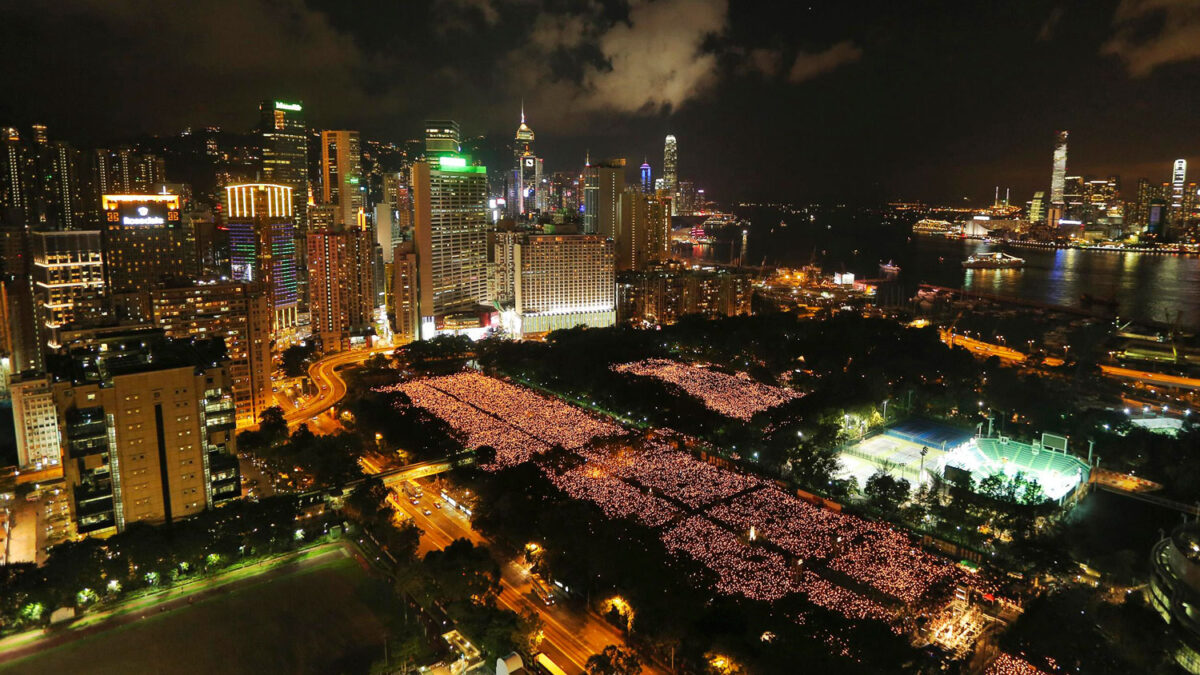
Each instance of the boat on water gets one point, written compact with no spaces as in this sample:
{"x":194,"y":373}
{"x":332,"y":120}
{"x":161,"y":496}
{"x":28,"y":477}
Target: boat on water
{"x":889,"y":269}
{"x":993,"y":261}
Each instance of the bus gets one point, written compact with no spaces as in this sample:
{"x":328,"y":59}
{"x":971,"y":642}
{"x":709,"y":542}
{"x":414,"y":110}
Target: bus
{"x":542,"y":591}
{"x":547,"y":665}
{"x":412,"y":490}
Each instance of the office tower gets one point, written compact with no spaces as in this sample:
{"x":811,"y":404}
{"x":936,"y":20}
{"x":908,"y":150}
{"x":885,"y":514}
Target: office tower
{"x":1177,"y":214}
{"x":684,"y":202}
{"x":647,"y":182}
{"x":240,"y":315}
{"x":68,"y":279}
{"x":406,"y":322}
{"x":262,"y":247}
{"x":643,"y":231}
{"x":285,"y":151}
{"x":35,"y":420}
{"x":451,"y":226}
{"x":143,"y":246}
{"x":604,"y":183}
{"x":1037,"y":207}
{"x":563,"y":281}
{"x":664,"y":293}
{"x":1059,"y":173}
{"x":341,"y":174}
{"x":146,"y":422}
{"x":527,"y":172}
{"x":1073,"y":197}
{"x":442,"y":136}
{"x":342,"y":294}
{"x":671,"y":170}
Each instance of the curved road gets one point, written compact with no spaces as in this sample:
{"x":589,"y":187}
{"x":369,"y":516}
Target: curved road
{"x":331,"y":388}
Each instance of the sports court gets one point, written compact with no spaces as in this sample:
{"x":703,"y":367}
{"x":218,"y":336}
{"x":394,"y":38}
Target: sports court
{"x":897,"y":450}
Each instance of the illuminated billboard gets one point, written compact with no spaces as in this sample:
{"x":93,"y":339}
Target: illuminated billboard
{"x":141,"y":210}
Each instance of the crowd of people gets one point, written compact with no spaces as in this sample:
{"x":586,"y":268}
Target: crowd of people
{"x":675,"y":474}
{"x":704,"y":511}
{"x":614,"y":496}
{"x":735,"y":396}
{"x":515,"y":421}
{"x":1007,"y":664}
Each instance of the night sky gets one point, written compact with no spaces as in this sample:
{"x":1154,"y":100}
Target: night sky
{"x":859,"y":101}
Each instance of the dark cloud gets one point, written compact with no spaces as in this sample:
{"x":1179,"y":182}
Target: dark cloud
{"x":807,"y":66}
{"x":1153,"y":33}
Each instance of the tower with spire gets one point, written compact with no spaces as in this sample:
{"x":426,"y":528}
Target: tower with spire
{"x":527,"y":191}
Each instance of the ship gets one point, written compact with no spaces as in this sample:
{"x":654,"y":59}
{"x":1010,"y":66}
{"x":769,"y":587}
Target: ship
{"x":932,"y":226}
{"x":993,"y":261}
{"x":890,"y":269}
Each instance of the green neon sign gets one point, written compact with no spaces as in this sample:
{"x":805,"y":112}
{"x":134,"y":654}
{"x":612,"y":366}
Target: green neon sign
{"x":280,"y":105}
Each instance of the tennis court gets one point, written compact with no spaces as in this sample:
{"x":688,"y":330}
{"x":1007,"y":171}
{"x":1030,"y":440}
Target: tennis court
{"x":898,"y":450}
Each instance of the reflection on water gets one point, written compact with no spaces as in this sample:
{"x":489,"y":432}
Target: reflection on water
{"x":1145,"y":286}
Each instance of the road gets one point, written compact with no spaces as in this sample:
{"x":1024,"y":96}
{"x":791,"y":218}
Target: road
{"x":330,"y":386}
{"x":570,"y":636}
{"x":1012,"y":356}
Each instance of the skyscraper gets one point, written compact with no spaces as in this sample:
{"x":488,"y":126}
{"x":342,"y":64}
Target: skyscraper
{"x":563,"y":281}
{"x":145,"y":422}
{"x":647,"y":181}
{"x":643,"y":230}
{"x":671,"y":169}
{"x":341,"y":283}
{"x":238,"y":313}
{"x":341,"y":172}
{"x":285,"y":151}
{"x":450,"y":230}
{"x":262,"y":246}
{"x":527,"y":174}
{"x":406,"y":320}
{"x":68,"y":278}
{"x":1177,"y":214}
{"x":143,"y":246}
{"x":604,"y":183}
{"x":36,"y":422}
{"x":1058,"y":175}
{"x":442,"y":136}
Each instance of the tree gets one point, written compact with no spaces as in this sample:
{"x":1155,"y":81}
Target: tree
{"x":886,"y":493}
{"x":613,"y":661}
{"x":464,"y":571}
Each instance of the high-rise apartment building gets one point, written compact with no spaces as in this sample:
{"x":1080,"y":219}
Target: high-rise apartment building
{"x":450,"y":212}
{"x":341,"y":286}
{"x":406,"y":321}
{"x":1058,"y":174}
{"x":16,"y":171}
{"x":21,"y":340}
{"x":35,"y":420}
{"x":604,"y":183}
{"x":563,"y":281}
{"x":145,"y":424}
{"x":68,"y":278}
{"x":342,"y":181}
{"x":143,"y":246}
{"x":240,"y":315}
{"x":664,"y":293}
{"x":643,"y":231}
{"x":262,"y":247}
{"x":285,"y":151}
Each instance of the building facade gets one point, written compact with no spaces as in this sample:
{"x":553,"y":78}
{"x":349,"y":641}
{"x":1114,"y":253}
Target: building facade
{"x":450,"y":230}
{"x":240,"y":315}
{"x":68,"y":278}
{"x":143,"y":246}
{"x":262,"y":247}
{"x":35,"y":420}
{"x":341,"y":174}
{"x":663,"y":293}
{"x":563,"y":281}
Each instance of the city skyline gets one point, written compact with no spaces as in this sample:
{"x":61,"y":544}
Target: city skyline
{"x":723,"y":78}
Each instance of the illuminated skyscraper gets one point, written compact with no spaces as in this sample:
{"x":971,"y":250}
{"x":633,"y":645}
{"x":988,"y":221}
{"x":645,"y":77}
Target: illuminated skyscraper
{"x":671,"y":169}
{"x":68,"y":278}
{"x":643,"y":230}
{"x":341,"y":283}
{"x":563,"y":281}
{"x":143,"y":246}
{"x":1037,"y":207}
{"x":604,"y":183}
{"x":1178,"y":193}
{"x":1058,"y":175}
{"x":285,"y":151}
{"x":527,"y":174}
{"x":240,"y":314}
{"x":342,"y":177}
{"x":450,"y":230}
{"x":442,"y":136}
{"x":647,"y":182}
{"x":262,"y":246}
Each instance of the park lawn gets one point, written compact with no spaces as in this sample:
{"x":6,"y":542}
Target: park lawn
{"x":329,"y":619}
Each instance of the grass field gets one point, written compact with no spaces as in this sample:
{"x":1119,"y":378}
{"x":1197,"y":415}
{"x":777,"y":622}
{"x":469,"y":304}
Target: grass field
{"x":329,"y":619}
